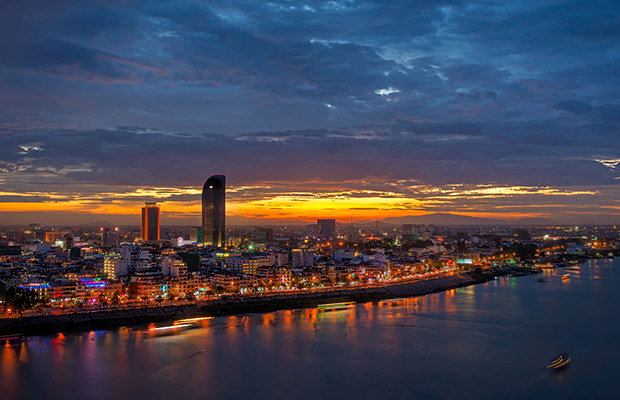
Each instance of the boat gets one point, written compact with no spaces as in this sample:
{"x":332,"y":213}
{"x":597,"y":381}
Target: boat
{"x":610,"y":255}
{"x":541,"y":279}
{"x":170,"y":329}
{"x":191,"y":320}
{"x":574,"y":267}
{"x":392,"y":301}
{"x":561,"y":361}
{"x":565,"y":277}
{"x":12,"y":339}
{"x":336,"y":306}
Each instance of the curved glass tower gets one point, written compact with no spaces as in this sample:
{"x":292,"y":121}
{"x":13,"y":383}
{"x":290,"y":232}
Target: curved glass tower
{"x":214,"y":211}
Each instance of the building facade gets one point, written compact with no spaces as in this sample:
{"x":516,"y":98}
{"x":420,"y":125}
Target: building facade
{"x":214,"y":211}
{"x":302,"y":258}
{"x":195,"y":234}
{"x":150,"y":222}
{"x":326,"y":228}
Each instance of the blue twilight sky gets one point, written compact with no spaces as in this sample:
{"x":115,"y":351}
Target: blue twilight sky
{"x":496,"y":108}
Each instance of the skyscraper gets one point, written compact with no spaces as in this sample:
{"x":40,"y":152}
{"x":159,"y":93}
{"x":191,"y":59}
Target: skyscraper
{"x":326,"y":228}
{"x":214,"y":211}
{"x":150,"y":222}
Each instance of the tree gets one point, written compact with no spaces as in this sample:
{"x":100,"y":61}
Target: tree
{"x":20,"y":299}
{"x":103,"y":300}
{"x":132,"y":292}
{"x":435,"y":264}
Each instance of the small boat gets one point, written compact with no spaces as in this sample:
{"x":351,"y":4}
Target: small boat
{"x":574,"y":267}
{"x":191,"y":320}
{"x":541,"y":279}
{"x":565,"y":277}
{"x":561,"y":361}
{"x":610,"y":255}
{"x":170,"y":329}
{"x":12,"y":339}
{"x":336,"y":306}
{"x":392,"y":302}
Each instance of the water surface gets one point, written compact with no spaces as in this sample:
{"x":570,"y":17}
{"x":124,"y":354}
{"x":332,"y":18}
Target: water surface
{"x":489,"y":341}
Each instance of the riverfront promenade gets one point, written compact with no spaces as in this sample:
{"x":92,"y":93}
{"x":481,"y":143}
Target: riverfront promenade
{"x":109,"y":319}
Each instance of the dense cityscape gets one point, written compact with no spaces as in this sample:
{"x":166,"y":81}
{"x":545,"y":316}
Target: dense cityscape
{"x":53,"y":270}
{"x":326,"y":199}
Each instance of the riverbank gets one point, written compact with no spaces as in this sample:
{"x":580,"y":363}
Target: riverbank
{"x":41,"y":325}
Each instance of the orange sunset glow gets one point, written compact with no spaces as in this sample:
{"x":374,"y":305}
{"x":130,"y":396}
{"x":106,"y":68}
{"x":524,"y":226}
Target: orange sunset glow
{"x":306,"y":201}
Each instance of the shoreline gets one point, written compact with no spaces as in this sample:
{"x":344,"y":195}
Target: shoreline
{"x":114,"y":319}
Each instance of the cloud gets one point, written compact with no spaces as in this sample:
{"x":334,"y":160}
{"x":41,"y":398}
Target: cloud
{"x":431,"y":153}
{"x":477,"y":94}
{"x":574,"y":106}
{"x":115,"y":94}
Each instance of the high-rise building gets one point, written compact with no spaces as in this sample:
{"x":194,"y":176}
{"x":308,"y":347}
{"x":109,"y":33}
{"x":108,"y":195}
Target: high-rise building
{"x":150,"y":222}
{"x":110,"y":237}
{"x":114,"y":266}
{"x":136,"y":257}
{"x":326,"y":228}
{"x":37,"y":232}
{"x":195,"y":234}
{"x":301,"y":258}
{"x":214,"y":211}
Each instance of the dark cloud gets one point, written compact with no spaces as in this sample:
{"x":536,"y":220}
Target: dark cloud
{"x":162,"y":93}
{"x":433,"y":154}
{"x":574,"y":106}
{"x":477,"y":94}
{"x":604,"y":112}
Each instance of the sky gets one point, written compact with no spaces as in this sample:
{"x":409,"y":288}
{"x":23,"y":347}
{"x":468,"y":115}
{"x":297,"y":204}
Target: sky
{"x":343,"y":109}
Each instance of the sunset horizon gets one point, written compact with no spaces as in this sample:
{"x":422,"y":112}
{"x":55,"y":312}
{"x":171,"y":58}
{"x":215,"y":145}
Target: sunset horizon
{"x":351,"y":110}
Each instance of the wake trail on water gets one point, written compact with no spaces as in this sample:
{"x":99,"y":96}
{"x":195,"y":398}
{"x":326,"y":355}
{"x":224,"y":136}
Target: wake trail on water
{"x":473,"y":321}
{"x":411,"y":326}
{"x":178,"y":362}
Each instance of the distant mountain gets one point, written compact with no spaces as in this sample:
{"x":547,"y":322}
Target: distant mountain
{"x":447,"y":219}
{"x":245,"y":221}
{"x":443,"y":219}
{"x":365,"y":224}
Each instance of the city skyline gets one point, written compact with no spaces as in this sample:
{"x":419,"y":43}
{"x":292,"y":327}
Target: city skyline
{"x":347,"y":110}
{"x":338,"y":199}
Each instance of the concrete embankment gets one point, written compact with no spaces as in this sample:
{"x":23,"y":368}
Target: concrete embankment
{"x":242,"y":305}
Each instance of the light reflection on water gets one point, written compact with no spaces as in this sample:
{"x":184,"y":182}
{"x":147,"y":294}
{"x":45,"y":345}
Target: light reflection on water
{"x":485,"y":341}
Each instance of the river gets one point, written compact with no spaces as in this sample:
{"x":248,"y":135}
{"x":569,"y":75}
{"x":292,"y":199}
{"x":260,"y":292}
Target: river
{"x":488,"y":341}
